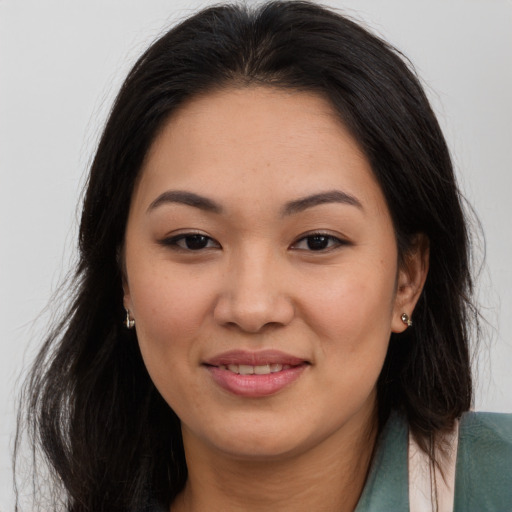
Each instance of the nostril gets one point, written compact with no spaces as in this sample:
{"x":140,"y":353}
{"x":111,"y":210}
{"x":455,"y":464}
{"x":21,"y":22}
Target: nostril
{"x":253,"y":327}
{"x":253,"y":315}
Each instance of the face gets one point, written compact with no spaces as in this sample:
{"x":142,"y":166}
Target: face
{"x":261,"y":271}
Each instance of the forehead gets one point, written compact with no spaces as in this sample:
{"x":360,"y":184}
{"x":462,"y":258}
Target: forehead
{"x":254,"y":143}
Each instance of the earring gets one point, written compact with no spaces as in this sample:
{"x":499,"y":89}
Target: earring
{"x":406,"y":320}
{"x":129,"y":322}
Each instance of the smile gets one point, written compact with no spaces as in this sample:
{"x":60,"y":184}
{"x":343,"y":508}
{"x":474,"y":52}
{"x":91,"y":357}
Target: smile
{"x":246,"y":369}
{"x":255,"y":374}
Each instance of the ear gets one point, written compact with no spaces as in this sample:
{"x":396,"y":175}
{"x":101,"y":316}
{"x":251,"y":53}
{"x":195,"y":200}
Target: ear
{"x":127,"y":301}
{"x":411,"y":278}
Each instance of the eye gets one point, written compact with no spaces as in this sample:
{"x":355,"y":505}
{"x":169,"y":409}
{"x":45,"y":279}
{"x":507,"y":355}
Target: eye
{"x":318,"y":242}
{"x":191,"y":242}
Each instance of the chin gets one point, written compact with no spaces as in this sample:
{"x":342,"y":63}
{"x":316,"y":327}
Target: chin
{"x":260,"y":448}
{"x":259,"y":442}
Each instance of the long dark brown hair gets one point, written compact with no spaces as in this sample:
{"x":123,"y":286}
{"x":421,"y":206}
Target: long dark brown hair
{"x":111,"y":441}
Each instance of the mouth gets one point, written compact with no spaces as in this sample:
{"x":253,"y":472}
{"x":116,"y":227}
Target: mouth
{"x":267,"y":361}
{"x":262,"y":369}
{"x":255,"y":374}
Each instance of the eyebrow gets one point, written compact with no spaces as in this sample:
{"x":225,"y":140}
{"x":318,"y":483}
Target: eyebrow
{"x":188,"y":198}
{"x":290,"y":208}
{"x":330,"y":196}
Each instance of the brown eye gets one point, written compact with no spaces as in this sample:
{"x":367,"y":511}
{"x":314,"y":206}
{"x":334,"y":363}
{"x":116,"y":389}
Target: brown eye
{"x":195,"y":242}
{"x":191,"y":242}
{"x":318,"y":242}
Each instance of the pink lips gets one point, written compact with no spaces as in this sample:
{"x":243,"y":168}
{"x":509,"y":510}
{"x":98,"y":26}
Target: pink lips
{"x":272,"y":371}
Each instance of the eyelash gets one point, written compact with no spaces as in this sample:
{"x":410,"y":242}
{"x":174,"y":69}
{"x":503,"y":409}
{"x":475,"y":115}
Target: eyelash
{"x":332,"y":242}
{"x":174,"y":241}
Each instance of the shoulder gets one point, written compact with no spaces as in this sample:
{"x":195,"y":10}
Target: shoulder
{"x":484,"y":462}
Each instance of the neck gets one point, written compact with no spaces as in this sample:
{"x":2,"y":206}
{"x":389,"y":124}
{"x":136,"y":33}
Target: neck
{"x":328,"y":477}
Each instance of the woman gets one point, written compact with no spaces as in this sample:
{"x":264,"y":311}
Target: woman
{"x":273,"y":289}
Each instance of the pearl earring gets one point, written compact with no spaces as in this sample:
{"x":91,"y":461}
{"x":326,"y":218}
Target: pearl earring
{"x":406,"y":320}
{"x":129,"y":322}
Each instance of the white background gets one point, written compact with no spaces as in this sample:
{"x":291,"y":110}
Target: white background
{"x":61,"y":64}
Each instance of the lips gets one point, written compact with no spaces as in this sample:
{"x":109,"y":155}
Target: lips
{"x":255,"y":374}
{"x":261,"y":369}
{"x":264,"y":357}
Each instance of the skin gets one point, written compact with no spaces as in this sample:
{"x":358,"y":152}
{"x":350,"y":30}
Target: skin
{"x":257,"y":284}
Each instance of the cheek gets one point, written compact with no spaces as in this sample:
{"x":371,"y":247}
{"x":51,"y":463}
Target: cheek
{"x":353,"y":315}
{"x":169,"y":308}
{"x":358,"y":302}
{"x":166,"y":297}
{"x":170,"y":314}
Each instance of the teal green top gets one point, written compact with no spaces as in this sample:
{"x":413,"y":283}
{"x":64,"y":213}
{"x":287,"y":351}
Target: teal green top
{"x":483,"y":478}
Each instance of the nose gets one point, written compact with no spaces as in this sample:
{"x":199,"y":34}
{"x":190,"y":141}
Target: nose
{"x":254,"y":296}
